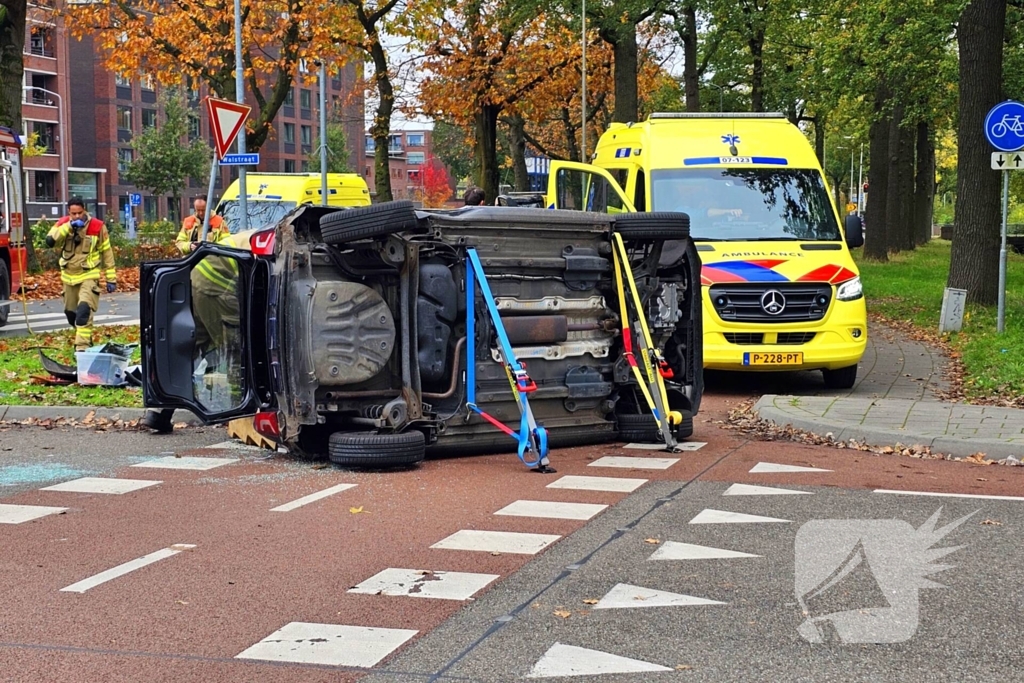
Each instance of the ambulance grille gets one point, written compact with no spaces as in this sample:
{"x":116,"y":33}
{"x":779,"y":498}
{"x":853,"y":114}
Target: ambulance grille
{"x":741,"y":302}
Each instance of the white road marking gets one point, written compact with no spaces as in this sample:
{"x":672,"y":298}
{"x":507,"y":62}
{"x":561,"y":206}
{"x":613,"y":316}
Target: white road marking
{"x":497,"y":542}
{"x":725,"y":517}
{"x":550,"y":509}
{"x":125,"y":568}
{"x":235,"y":445}
{"x":16,"y":514}
{"x":418,"y":583}
{"x":682,"y":446}
{"x":750,"y":490}
{"x":101,"y":485}
{"x":569,"y":660}
{"x":673,"y":550}
{"x":328,"y":644}
{"x":626,"y":596}
{"x":614,"y":484}
{"x":312,"y":498}
{"x":949,"y":495}
{"x":173,"y":462}
{"x":773,"y":468}
{"x":629,"y":462}
{"x":98,"y":321}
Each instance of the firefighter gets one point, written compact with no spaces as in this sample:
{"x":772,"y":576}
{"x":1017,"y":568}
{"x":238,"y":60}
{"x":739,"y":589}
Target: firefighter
{"x":83,"y":242}
{"x":205,"y":275}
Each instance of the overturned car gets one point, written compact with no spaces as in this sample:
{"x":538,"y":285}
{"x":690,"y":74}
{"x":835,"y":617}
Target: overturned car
{"x":377,"y":334}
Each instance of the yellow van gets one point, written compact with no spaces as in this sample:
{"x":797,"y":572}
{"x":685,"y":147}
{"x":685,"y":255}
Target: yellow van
{"x":270,"y":196}
{"x":780,"y":289}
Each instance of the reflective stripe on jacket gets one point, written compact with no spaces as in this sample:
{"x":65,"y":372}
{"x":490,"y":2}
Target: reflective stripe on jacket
{"x":192,"y":229}
{"x":80,"y":261}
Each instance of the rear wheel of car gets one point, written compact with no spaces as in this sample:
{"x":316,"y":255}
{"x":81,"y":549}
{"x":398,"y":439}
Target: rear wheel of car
{"x":843,"y":378}
{"x":643,"y":429}
{"x":653,"y":225}
{"x":369,"y":449}
{"x":5,"y":292}
{"x":365,"y":222}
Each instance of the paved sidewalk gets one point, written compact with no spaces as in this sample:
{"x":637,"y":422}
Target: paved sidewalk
{"x":18,"y":413}
{"x":894,"y":401}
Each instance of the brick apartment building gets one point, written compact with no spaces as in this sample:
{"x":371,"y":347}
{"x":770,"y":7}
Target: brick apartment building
{"x":409,"y":148}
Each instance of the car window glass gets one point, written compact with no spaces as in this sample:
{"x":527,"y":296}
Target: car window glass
{"x":218,"y":381}
{"x":262,"y":213}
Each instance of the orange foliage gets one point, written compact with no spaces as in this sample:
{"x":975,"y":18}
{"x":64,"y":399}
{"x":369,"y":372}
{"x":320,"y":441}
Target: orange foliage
{"x":436,"y":188}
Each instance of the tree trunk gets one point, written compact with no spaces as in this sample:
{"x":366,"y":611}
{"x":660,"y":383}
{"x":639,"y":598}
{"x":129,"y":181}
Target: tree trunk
{"x":13,"y":15}
{"x":975,"y":250}
{"x":819,"y":138}
{"x":381,"y":129}
{"x":893,"y":194}
{"x":517,"y":140}
{"x":486,"y":127}
{"x":875,"y":240}
{"x":625,"y":72}
{"x":900,"y":204}
{"x":691,"y":79}
{"x":924,"y":190}
{"x":756,"y":45}
{"x":571,"y":141}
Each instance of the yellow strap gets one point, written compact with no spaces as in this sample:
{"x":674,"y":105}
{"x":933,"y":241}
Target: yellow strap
{"x":624,"y":313}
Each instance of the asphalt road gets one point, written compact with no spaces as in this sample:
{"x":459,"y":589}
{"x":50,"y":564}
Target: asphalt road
{"x":242,"y":573}
{"x":48,"y":315}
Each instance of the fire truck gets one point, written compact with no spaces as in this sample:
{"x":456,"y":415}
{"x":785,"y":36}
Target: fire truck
{"x":13,"y":256}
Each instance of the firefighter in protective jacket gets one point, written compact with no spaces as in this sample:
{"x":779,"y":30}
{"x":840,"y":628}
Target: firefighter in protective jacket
{"x":84,"y":243}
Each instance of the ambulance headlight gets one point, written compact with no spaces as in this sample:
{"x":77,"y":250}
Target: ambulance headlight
{"x":851,"y":290}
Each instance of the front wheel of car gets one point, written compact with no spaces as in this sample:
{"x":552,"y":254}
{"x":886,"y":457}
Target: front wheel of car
{"x":366,"y":222}
{"x":369,"y":449}
{"x":843,"y":378}
{"x":642,"y":428}
{"x":653,"y":225}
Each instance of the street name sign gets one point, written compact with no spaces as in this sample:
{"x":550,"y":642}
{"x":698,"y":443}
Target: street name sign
{"x":226,"y":119}
{"x":240,"y":160}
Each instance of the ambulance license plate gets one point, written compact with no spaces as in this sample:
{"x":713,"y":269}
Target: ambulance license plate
{"x":759,"y":358}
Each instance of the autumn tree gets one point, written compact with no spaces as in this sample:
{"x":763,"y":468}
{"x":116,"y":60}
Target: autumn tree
{"x":453,"y":146}
{"x":175,"y":41}
{"x":436,"y":188}
{"x":165,"y":159}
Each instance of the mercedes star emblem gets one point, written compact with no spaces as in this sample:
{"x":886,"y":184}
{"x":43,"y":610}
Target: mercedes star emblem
{"x":773,"y":302}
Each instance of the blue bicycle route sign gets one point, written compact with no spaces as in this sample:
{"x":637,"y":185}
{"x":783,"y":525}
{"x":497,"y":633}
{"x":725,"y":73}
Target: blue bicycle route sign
{"x":1004,"y":126}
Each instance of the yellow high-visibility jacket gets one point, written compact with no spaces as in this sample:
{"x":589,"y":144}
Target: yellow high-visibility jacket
{"x":80,"y":259}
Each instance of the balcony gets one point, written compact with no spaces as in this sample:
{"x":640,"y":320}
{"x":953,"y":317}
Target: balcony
{"x":394,"y":149}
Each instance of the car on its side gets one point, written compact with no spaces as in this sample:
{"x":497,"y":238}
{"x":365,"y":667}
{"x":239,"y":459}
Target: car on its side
{"x":367,"y":334}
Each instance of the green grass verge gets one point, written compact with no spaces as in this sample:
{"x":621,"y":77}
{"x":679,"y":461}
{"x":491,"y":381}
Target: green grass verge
{"x":909,"y":287}
{"x":19,"y":362}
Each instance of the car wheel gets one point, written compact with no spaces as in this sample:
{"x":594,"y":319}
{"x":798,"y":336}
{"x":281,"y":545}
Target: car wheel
{"x":843,"y":378}
{"x":643,"y":429}
{"x":653,"y":225}
{"x":5,"y":292}
{"x":364,"y":222}
{"x":369,"y":449}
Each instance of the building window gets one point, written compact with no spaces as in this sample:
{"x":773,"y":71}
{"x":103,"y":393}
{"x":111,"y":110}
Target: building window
{"x":307,"y":135}
{"x":147,"y":82}
{"x":124,"y":118}
{"x":124,"y":157}
{"x":289,"y":132}
{"x":149,"y":209}
{"x":193,"y":128}
{"x":46,"y":186}
{"x":289,"y":98}
{"x":367,"y":172}
{"x":414,"y":176}
{"x":306,"y":99}
{"x":149,"y":118}
{"x":305,"y":166}
{"x":41,"y":41}
{"x":417,"y":158}
{"x":414,"y":140}
{"x":122,"y":81}
{"x":289,"y":165}
{"x":45,"y":135}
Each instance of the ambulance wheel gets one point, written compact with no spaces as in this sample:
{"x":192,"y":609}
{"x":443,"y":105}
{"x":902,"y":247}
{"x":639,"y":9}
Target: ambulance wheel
{"x":5,"y":292}
{"x":369,"y":449}
{"x":653,"y":225}
{"x":365,"y":222}
{"x":843,"y":378}
{"x":643,"y":429}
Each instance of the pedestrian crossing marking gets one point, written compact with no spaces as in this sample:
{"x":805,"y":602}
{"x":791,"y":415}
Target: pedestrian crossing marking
{"x":17,"y":514}
{"x":420,"y":583}
{"x":551,"y":509}
{"x":751,"y":490}
{"x":774,"y":468}
{"x":497,"y":542}
{"x":627,"y":596}
{"x":328,"y":644}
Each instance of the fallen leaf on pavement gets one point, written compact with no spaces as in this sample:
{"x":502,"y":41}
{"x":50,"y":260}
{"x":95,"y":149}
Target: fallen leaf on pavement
{"x":356,"y":511}
{"x":565,"y":614}
{"x":652,"y":541}
{"x":320,"y":466}
{"x":590,"y":601}
{"x":992,"y":522}
{"x":683,"y":667}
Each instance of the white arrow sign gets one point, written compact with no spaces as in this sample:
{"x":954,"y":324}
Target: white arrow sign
{"x":1007,"y":161}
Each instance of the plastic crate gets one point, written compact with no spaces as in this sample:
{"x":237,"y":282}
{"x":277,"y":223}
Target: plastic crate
{"x":105,"y":369}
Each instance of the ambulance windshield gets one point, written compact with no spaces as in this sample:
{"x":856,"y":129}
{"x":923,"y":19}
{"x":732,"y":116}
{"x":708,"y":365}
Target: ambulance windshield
{"x":748,"y":204}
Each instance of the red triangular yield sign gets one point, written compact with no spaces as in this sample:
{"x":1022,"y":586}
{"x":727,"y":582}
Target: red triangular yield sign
{"x":226,"y":119}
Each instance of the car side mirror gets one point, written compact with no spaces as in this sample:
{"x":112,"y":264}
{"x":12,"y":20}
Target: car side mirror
{"x":854,"y":231}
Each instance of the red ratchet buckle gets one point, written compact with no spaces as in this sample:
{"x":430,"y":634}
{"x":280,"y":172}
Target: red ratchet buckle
{"x":524,"y":383}
{"x":664,"y":370}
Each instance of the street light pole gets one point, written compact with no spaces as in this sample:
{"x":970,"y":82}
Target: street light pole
{"x":583,"y":118}
{"x":323,"y":133}
{"x":860,"y":183}
{"x":63,"y":137}
{"x":240,"y":98}
{"x":849,"y":199}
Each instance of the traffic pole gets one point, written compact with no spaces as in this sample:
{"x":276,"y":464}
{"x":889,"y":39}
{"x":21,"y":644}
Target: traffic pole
{"x":209,"y":197}
{"x":323,"y":133}
{"x":1001,"y":315}
{"x":240,"y":98}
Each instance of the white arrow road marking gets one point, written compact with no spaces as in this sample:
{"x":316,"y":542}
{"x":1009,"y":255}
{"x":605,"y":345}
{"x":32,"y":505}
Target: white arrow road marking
{"x":569,"y":660}
{"x":673,"y":550}
{"x":626,"y":596}
{"x":726,"y":517}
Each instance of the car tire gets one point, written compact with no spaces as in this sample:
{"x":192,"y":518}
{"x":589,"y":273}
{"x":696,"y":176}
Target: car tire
{"x":653,"y":225}
{"x":643,"y":429}
{"x":5,"y":292}
{"x":369,"y":449}
{"x":843,"y":378}
{"x":365,"y":222}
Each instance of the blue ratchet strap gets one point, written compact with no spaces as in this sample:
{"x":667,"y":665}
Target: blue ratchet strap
{"x":531,"y":436}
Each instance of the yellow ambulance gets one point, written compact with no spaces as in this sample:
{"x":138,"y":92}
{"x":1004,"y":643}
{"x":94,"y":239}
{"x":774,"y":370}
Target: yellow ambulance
{"x":780,"y":289}
{"x":271,"y":196}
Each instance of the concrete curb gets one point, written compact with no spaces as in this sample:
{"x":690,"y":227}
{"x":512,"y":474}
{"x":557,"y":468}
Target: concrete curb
{"x":843,"y":431}
{"x":18,"y":413}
